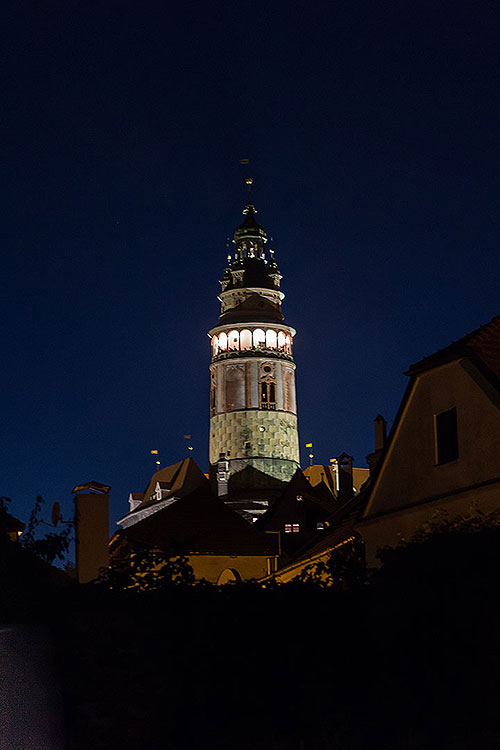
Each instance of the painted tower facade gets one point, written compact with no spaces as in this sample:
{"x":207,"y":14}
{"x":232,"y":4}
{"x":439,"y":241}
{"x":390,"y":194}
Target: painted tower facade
{"x":253,"y":408}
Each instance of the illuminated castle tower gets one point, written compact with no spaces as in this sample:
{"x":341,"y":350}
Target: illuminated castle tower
{"x":253,"y":412}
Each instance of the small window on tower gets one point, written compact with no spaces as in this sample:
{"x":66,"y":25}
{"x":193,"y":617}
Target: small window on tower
{"x":263,"y":396}
{"x":272,"y":396}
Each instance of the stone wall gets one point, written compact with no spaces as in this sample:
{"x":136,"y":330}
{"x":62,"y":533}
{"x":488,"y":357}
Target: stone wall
{"x":257,"y":435}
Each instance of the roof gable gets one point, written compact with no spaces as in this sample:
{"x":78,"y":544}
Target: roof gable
{"x":200,"y":523}
{"x":484,"y":342}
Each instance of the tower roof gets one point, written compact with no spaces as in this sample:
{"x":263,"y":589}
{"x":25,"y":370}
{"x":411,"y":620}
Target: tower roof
{"x":249,"y":227}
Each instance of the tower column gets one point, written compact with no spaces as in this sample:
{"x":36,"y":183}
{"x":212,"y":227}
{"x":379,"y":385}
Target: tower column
{"x":253,"y":418}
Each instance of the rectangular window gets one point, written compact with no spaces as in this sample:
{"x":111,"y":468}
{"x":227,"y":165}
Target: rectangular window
{"x":268,"y":396}
{"x":320,"y":526}
{"x":296,"y":528}
{"x":263,"y":396}
{"x":288,"y":528}
{"x":446,"y":436}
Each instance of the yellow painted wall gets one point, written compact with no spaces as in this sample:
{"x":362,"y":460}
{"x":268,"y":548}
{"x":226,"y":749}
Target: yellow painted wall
{"x":410,"y":473}
{"x":211,"y":566}
{"x":393,"y":528}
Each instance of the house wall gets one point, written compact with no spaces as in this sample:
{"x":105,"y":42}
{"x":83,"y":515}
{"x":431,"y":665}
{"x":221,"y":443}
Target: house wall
{"x":410,"y":475}
{"x":394,"y":528}
{"x":210,"y":567}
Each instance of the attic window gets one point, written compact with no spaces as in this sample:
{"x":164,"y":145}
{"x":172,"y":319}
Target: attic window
{"x":288,"y":528}
{"x":295,"y":528}
{"x":446,"y":436}
{"x":320,"y":526}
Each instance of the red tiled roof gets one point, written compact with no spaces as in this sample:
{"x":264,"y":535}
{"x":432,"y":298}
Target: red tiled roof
{"x":178,"y":479}
{"x":483,"y":342}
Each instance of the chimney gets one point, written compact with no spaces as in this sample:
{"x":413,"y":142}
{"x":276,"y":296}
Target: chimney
{"x":91,"y":529}
{"x":345,"y":488}
{"x":380,"y":440}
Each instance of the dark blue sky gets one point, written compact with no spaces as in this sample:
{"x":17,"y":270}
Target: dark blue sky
{"x":372,"y":130}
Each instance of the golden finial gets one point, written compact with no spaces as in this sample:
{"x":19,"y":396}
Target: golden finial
{"x":249,"y":181}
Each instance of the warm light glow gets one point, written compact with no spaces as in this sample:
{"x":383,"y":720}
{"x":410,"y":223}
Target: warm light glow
{"x":281,"y":340}
{"x":154,"y":452}
{"x":233,"y":340}
{"x":271,"y":338}
{"x":309,"y":445}
{"x":157,"y":463}
{"x":190,"y":448}
{"x":223,"y":341}
{"x":19,"y":533}
{"x":215,"y":345}
{"x":259,"y":337}
{"x":245,"y":339}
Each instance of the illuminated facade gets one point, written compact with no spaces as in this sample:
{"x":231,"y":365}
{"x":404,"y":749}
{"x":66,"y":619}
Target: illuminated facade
{"x":253,"y":409}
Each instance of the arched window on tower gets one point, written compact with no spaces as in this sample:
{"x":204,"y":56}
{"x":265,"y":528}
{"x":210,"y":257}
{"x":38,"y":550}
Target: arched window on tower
{"x":235,"y":386}
{"x":245,"y":339}
{"x":271,"y":338}
{"x":259,"y":338}
{"x":222,"y":341}
{"x":281,"y":340}
{"x":215,"y":345}
{"x":288,"y":344}
{"x":233,"y":340}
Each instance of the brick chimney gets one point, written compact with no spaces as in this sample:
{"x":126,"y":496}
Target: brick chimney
{"x":91,"y":529}
{"x":380,"y":441}
{"x":345,"y":488}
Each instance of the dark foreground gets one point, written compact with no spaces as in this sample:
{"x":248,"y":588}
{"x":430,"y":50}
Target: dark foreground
{"x":408,"y":660}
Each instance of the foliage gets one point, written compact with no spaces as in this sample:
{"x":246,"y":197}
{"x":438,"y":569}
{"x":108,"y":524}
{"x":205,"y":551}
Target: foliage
{"x":146,"y":569}
{"x":345,"y":567}
{"x":53,"y":545}
{"x":442,"y":529}
{"x":4,"y":516}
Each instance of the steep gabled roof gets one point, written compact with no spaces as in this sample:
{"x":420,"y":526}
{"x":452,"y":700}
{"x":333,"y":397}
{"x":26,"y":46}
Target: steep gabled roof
{"x":481,"y":345}
{"x":177,"y":480}
{"x":484,"y":342}
{"x":199,"y":523}
{"x":298,"y":486}
{"x":341,"y":526}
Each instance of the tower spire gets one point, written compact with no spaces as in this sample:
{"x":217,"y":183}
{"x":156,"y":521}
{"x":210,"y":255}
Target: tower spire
{"x":249,"y":183}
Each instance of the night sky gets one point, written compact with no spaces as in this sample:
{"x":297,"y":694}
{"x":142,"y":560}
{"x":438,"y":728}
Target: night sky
{"x":372,"y":131}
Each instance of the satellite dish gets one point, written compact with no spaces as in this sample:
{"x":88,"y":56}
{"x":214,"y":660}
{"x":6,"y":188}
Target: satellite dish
{"x":56,"y":513}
